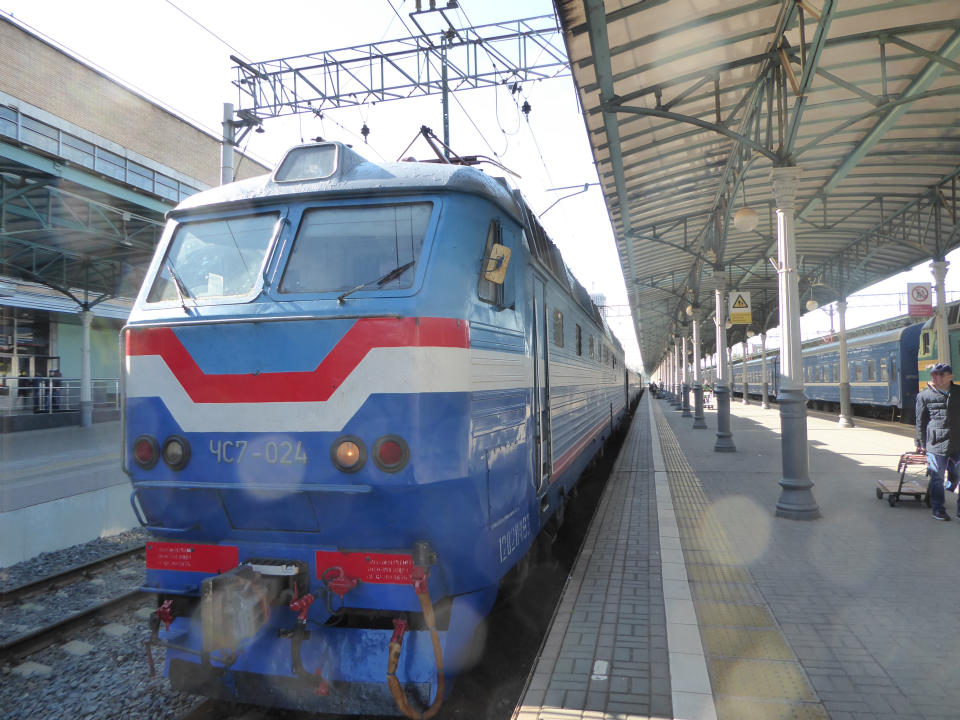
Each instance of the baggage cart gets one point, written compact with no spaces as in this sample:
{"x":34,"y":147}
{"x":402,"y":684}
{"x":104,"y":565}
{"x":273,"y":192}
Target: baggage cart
{"x":912,"y":480}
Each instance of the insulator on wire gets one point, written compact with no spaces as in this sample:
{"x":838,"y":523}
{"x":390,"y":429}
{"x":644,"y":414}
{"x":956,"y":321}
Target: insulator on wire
{"x":365,"y":131}
{"x":526,"y":109}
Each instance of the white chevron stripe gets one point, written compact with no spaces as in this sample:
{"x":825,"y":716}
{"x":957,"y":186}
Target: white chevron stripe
{"x":383,"y":370}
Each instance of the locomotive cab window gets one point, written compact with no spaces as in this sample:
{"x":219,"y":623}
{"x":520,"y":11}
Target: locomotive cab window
{"x":214,"y":258}
{"x":557,"y":328}
{"x":579,"y":341}
{"x":373,"y":246}
{"x":488,"y":288}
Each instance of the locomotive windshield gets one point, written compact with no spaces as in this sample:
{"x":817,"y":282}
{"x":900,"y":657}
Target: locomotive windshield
{"x":214,"y":258}
{"x":341,"y":248}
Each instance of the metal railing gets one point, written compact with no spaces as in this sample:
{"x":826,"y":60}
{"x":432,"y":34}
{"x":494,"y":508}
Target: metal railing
{"x":22,"y":395}
{"x":36,"y":133}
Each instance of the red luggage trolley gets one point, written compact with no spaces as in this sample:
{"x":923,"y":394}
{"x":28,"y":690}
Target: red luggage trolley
{"x":911,"y":482}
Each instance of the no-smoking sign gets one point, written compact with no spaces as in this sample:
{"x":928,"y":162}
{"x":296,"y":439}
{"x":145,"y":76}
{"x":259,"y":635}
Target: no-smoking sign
{"x":919,"y":299}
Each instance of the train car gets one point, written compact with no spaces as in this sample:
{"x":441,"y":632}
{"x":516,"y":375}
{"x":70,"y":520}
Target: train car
{"x":354,"y":395}
{"x":882,"y":371}
{"x":928,"y":354}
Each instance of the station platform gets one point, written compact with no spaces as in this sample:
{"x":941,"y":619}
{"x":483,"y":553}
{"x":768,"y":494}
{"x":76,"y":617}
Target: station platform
{"x":691,"y":599}
{"x":60,"y":487}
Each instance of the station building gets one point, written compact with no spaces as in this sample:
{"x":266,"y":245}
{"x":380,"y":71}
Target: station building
{"x":88,"y":168}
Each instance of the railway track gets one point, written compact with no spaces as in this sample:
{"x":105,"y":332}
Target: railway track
{"x":52,"y":586}
{"x":35,"y":640}
{"x":895,"y":428}
{"x":15,"y":594}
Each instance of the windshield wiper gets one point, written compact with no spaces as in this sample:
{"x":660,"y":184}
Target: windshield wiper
{"x":178,"y":284}
{"x":379,"y":282}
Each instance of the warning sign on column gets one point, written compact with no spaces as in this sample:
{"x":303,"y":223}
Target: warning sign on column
{"x":740,"y":308}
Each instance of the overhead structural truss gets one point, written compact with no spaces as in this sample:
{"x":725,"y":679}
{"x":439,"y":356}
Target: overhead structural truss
{"x":505,"y":53}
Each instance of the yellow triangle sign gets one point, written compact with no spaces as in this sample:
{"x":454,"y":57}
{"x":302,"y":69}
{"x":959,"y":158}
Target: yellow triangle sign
{"x":740,"y":303}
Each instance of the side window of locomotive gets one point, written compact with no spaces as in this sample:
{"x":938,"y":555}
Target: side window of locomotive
{"x":488,"y":290}
{"x":557,"y":328}
{"x":579,"y":341}
{"x":214,"y":258}
{"x":925,"y":342}
{"x":591,"y":347}
{"x":341,"y":248}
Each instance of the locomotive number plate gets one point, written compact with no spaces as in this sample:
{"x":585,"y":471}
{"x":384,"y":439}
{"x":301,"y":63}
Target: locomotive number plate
{"x":282,"y":452}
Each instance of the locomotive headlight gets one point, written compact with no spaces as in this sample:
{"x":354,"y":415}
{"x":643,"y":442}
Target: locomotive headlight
{"x":176,"y":452}
{"x":348,"y":453}
{"x":146,"y":452}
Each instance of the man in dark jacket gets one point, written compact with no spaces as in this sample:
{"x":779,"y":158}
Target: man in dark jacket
{"x":938,"y":433}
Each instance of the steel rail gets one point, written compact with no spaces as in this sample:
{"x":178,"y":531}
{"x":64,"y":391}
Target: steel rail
{"x":14,"y":593}
{"x":36,"y":640}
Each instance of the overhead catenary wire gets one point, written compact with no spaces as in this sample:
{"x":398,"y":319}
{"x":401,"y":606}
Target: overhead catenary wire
{"x":512,"y":97}
{"x":205,"y":28}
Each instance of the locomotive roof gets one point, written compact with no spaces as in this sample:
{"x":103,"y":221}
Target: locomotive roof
{"x":355,"y":175}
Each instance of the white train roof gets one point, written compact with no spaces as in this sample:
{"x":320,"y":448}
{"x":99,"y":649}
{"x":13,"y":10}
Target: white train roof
{"x":332,"y":167}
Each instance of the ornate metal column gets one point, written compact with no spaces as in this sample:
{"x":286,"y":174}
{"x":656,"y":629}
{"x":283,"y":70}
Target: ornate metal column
{"x":670,"y":376}
{"x":846,"y":414}
{"x":939,"y":268}
{"x":86,"y":381}
{"x":765,"y":392}
{"x":721,"y":389}
{"x":677,"y":384}
{"x":685,"y":378}
{"x":698,"y":422}
{"x":746,"y":381}
{"x":796,"y":499}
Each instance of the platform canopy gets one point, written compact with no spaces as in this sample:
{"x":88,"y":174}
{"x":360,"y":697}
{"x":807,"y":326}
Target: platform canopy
{"x":689,"y":104}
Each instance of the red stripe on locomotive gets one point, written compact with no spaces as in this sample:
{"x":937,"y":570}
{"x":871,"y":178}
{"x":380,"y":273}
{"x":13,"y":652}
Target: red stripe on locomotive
{"x":309,"y":386}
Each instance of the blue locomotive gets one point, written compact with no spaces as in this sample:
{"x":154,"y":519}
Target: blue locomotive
{"x":355,"y":393}
{"x":882,"y":365}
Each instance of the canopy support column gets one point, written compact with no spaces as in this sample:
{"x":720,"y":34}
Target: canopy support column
{"x":746,"y":381}
{"x":86,"y":380}
{"x":796,"y":499}
{"x":721,"y":389}
{"x":698,"y":422}
{"x":846,"y":411}
{"x":684,"y":377}
{"x":765,"y":391}
{"x":939,"y":268}
{"x":677,"y":385}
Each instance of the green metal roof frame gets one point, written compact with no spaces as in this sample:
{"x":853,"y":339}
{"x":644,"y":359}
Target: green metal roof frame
{"x":687,"y":115}
{"x":85,"y":235}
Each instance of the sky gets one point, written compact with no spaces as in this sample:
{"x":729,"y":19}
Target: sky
{"x":177,"y":52}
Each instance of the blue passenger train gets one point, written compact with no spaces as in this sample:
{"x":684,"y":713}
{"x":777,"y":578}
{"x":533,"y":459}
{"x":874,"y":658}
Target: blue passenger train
{"x":355,"y":393}
{"x":882,"y":364}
